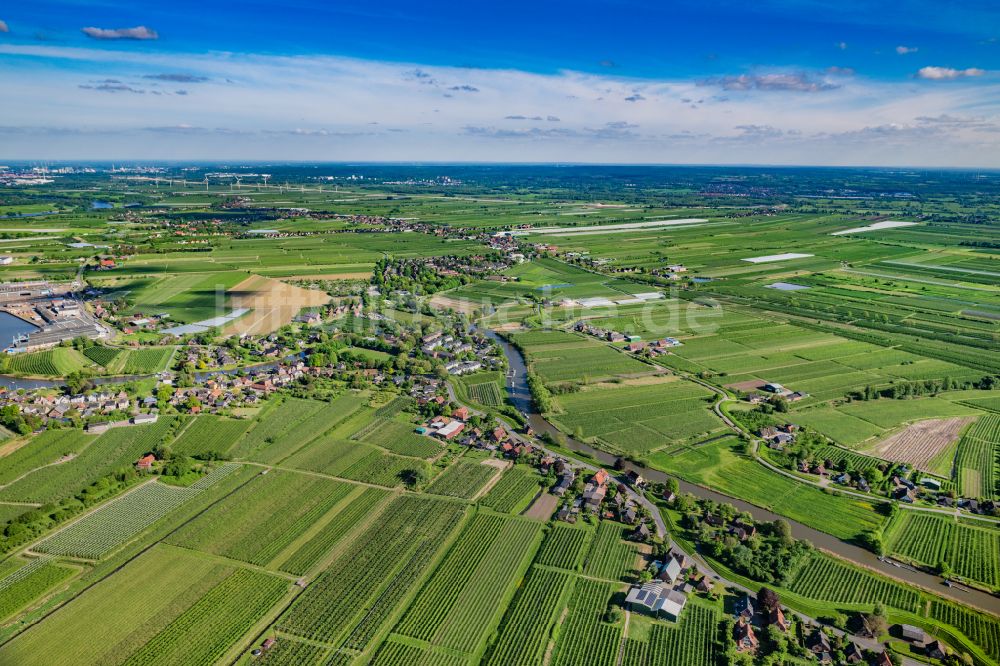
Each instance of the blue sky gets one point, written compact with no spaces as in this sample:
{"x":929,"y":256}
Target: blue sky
{"x":771,"y":81}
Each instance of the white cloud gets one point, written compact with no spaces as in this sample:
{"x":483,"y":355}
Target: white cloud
{"x":904,"y":50}
{"x":370,"y":110}
{"x":772,"y":82}
{"x":140,"y":32}
{"x":947,"y":73}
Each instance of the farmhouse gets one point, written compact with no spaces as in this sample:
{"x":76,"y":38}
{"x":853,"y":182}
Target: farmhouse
{"x":656,"y":598}
{"x":450,"y":430}
{"x":145,"y":462}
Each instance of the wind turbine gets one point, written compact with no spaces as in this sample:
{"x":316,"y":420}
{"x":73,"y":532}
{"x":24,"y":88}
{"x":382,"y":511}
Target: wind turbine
{"x":239,"y":183}
{"x":206,"y":182}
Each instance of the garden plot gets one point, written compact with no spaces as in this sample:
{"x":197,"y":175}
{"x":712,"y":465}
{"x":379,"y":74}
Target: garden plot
{"x":919,"y":444}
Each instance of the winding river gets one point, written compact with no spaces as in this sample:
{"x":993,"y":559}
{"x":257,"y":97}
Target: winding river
{"x":520,"y":394}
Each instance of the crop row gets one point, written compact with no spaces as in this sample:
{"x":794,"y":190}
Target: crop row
{"x":825,"y":579}
{"x":115,"y":523}
{"x":982,"y":629}
{"x":526,"y":627}
{"x":486,"y":393}
{"x":463,"y":479}
{"x":458,"y":607}
{"x":289,"y":652}
{"x":397,"y":654}
{"x":263,"y":517}
{"x":203,"y":633}
{"x":275,"y":423}
{"x":513,"y":491}
{"x":585,"y":639}
{"x":331,"y":604}
{"x":564,"y":547}
{"x":693,"y":642}
{"x":382,"y":469}
{"x":321,"y":418}
{"x":610,"y":558}
{"x":970,"y":551}
{"x":102,"y":355}
{"x":210,"y":434}
{"x":976,"y":459}
{"x":38,"y":363}
{"x":346,"y":520}
{"x":401,"y":439}
{"x":116,"y":448}
{"x":118,"y":521}
{"x":28,"y":583}
{"x":146,"y":361}
{"x":43,"y":449}
{"x":855,"y":462}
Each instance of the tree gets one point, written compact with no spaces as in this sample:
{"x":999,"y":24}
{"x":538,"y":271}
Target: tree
{"x":768,"y":598}
{"x":876,"y":623}
{"x":944,"y":569}
{"x":872,"y":540}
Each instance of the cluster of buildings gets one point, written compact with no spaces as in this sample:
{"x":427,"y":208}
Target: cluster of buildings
{"x":223,"y":391}
{"x":775,"y":389}
{"x":654,"y":348}
{"x":670,"y":271}
{"x":462,"y":356}
{"x":635,"y":342}
{"x":667,"y":593}
{"x":777,"y":437}
{"x":62,"y":407}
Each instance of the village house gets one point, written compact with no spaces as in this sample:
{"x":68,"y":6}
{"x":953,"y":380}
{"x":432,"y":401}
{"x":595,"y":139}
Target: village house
{"x":818,"y":643}
{"x":743,"y":634}
{"x":743,"y":608}
{"x":852,"y":653}
{"x":776,"y":618}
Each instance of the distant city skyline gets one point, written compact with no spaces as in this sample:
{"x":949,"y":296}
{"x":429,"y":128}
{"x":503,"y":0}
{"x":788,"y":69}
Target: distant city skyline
{"x":912,"y":83}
